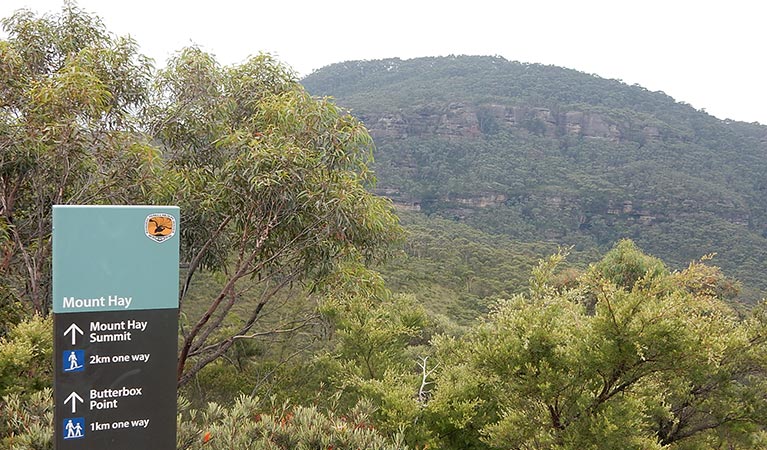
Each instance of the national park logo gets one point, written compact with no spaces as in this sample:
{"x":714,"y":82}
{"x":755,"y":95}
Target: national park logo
{"x":160,"y":227}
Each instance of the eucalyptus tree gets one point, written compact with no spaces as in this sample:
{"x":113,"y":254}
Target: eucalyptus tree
{"x":68,"y":93}
{"x":273,"y":183}
{"x":273,"y":187}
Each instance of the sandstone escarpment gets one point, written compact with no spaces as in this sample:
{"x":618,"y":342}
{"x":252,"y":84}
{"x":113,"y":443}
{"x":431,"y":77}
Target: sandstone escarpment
{"x":463,"y":120}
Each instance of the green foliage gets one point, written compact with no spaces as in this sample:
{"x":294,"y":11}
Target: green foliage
{"x":376,"y":337}
{"x":618,"y":360}
{"x":273,"y":183}
{"x":26,"y":407}
{"x":625,"y":265}
{"x":69,"y":90}
{"x":245,"y":425}
{"x":425,"y":81}
{"x":26,"y":421}
{"x":26,"y":355}
{"x":373,"y":327}
{"x":454,"y":269}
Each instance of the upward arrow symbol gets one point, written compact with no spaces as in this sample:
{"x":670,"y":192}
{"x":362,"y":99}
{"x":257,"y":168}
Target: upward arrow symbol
{"x":74,"y":398}
{"x":74,"y":329}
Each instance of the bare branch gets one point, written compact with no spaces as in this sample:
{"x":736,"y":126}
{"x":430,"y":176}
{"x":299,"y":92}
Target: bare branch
{"x":423,"y":393}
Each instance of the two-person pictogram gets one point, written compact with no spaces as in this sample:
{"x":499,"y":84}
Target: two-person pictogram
{"x":74,"y":428}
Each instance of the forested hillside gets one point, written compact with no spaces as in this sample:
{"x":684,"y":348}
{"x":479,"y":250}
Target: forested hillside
{"x":542,"y":154}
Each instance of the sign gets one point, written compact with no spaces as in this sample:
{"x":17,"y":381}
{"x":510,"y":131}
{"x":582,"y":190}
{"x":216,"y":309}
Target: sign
{"x":115,"y":305}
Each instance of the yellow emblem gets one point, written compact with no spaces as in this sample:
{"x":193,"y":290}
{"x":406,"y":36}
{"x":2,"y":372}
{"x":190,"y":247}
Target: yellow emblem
{"x":160,"y":227}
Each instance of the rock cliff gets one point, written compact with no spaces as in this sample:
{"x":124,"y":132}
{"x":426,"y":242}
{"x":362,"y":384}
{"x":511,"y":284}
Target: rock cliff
{"x":460,"y":119}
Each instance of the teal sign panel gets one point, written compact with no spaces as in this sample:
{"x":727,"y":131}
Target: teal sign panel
{"x":115,"y":258}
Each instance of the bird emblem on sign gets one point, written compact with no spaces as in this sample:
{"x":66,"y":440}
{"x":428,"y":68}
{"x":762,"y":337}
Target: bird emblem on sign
{"x":160,"y":227}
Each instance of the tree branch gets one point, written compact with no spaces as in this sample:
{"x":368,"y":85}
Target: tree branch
{"x":188,"y":340}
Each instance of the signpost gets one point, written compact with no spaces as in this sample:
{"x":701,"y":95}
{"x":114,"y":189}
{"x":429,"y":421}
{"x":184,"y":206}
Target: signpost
{"x":115,"y":304}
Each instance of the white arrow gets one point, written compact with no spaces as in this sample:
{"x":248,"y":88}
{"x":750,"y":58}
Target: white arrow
{"x":74,"y":329}
{"x":74,"y":398}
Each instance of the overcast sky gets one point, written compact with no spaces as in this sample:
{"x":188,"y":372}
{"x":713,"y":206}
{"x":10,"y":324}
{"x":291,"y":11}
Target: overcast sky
{"x":708,"y":53}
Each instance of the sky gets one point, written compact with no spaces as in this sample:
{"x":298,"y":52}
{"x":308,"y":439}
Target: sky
{"x":708,"y":53}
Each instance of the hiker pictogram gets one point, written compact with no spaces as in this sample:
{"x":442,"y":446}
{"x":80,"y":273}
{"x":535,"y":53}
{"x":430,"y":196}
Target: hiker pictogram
{"x":74,"y":361}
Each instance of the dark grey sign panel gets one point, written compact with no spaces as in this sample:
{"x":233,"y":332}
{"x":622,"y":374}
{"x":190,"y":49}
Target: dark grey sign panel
{"x":116,"y":386}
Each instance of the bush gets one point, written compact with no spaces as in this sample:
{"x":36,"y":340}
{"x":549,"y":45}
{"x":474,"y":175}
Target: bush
{"x":26,"y":421}
{"x":26,"y":356}
{"x":245,"y":426}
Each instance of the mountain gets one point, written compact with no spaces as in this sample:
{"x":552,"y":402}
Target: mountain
{"x":539,"y":155}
